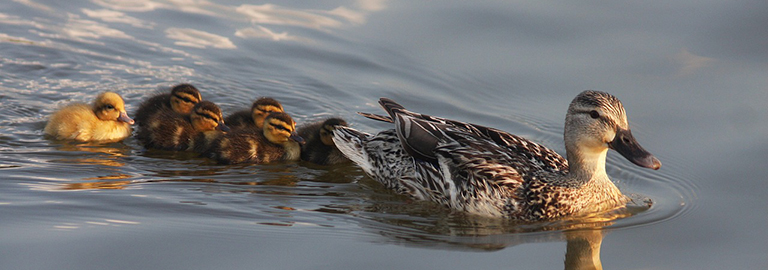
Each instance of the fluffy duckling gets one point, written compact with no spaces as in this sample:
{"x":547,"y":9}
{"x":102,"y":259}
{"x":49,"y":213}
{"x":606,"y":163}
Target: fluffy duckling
{"x":260,"y":109}
{"x":319,"y":147}
{"x":277,"y":140}
{"x":104,"y":120}
{"x":169,"y":130}
{"x":181,"y":99}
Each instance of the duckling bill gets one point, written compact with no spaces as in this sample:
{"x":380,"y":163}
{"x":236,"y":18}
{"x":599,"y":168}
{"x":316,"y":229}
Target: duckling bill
{"x":104,"y":120}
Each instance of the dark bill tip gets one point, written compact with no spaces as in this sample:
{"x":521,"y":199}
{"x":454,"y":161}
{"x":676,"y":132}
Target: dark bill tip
{"x":627,"y":146}
{"x":297,"y":138}
{"x":222,"y":127}
{"x":124,"y":118}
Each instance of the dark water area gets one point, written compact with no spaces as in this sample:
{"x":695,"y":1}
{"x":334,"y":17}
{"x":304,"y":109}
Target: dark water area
{"x":692,"y":76}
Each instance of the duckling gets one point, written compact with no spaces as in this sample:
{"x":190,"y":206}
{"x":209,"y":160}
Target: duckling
{"x":104,"y":120}
{"x":255,"y":117}
{"x":169,"y":130}
{"x":277,"y":140}
{"x":319,"y":147}
{"x":181,"y":100}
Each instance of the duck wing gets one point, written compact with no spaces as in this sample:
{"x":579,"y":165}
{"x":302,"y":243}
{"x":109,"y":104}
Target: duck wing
{"x":420,"y":135}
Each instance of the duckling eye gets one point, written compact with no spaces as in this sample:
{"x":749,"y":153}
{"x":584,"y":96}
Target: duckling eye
{"x":594,"y":114}
{"x":109,"y":107}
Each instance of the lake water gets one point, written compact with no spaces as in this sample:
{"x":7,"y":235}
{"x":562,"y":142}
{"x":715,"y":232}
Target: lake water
{"x":691,"y":74}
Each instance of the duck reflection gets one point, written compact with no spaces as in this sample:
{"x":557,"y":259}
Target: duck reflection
{"x":458,"y":231}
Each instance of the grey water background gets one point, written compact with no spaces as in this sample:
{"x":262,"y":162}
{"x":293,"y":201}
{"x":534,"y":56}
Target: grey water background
{"x":691,"y":74}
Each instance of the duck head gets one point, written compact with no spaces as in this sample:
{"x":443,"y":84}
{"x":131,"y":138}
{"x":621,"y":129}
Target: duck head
{"x":206,"y":116}
{"x":327,"y":128}
{"x":279,"y":128}
{"x":109,"y":106}
{"x":184,"y":97}
{"x":596,"y":121}
{"x":262,"y":107}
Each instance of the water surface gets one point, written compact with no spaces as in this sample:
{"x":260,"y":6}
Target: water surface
{"x":690,"y":74}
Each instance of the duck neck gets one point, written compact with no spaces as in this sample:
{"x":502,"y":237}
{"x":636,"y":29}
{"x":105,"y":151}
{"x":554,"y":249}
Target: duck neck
{"x":587,"y":166}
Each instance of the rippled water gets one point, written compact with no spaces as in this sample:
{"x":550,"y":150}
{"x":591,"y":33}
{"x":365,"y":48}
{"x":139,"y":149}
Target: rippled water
{"x":691,"y":75}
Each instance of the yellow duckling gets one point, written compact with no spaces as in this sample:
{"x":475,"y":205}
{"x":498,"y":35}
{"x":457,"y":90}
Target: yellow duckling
{"x":260,"y":109}
{"x":181,"y":100}
{"x":104,"y":120}
{"x":319,"y":147}
{"x":277,"y":140}
{"x":169,"y":130}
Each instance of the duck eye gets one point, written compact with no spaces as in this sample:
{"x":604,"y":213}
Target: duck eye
{"x":109,"y":107}
{"x":594,"y":114}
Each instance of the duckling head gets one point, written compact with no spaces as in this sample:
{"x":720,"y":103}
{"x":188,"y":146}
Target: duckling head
{"x":109,"y":106}
{"x":262,"y":107}
{"x":206,"y":116}
{"x":279,"y":128}
{"x":184,"y":97}
{"x":595,"y":122}
{"x":327,"y":128}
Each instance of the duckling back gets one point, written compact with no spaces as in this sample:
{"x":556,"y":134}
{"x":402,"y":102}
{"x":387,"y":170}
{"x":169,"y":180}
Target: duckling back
{"x":104,"y":120}
{"x":276,"y":140}
{"x":246,"y":145}
{"x":319,"y":147}
{"x":254,"y":117}
{"x":168,"y":130}
{"x":181,"y":99}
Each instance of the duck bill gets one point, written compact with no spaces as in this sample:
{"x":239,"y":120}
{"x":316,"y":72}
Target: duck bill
{"x":222,"y":127}
{"x":627,"y":146}
{"x":124,"y":118}
{"x":295,"y":136}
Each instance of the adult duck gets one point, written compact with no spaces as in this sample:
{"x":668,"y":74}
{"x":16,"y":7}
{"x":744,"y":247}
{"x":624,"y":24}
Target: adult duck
{"x":489,"y":172}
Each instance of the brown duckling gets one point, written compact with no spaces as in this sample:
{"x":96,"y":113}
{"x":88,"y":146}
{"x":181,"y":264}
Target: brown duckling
{"x":169,"y":130}
{"x":277,"y":140}
{"x":255,"y":117}
{"x":104,"y":120}
{"x":319,"y":147}
{"x":181,"y":99}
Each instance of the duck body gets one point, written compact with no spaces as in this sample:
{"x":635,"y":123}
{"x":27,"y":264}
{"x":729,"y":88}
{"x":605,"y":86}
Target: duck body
{"x":275,"y":141}
{"x":489,"y":172}
{"x":181,"y":100}
{"x":319,"y":147}
{"x":168,"y":130}
{"x":104,"y":120}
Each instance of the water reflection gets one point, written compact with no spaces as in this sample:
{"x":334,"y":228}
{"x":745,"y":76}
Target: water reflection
{"x":105,"y":154}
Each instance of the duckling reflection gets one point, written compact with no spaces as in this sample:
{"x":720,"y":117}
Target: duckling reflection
{"x":255,"y":117}
{"x":167,"y":130}
{"x":104,"y":120}
{"x":277,"y":140}
{"x":96,"y":153}
{"x":319,"y":147}
{"x":181,"y":100}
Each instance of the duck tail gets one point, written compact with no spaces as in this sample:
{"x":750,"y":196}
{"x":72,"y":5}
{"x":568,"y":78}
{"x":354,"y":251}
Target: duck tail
{"x":350,"y":142}
{"x":391,"y":106}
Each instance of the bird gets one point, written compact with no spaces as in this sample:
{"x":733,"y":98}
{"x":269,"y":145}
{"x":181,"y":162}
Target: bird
{"x":168,"y":130}
{"x":104,"y":120}
{"x":276,"y":140}
{"x":255,"y":116}
{"x":488,"y":172}
{"x":319,"y":147}
{"x":181,"y":99}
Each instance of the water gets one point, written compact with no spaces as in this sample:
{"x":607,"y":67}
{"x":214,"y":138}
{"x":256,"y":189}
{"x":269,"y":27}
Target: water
{"x":691,"y":75}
